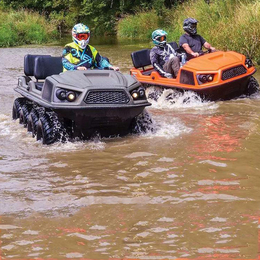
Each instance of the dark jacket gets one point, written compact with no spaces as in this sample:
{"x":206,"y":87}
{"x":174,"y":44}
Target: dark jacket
{"x":159,"y":55}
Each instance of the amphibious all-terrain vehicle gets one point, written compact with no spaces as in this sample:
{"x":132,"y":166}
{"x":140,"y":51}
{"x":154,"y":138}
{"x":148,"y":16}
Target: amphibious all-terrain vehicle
{"x":57,"y":105}
{"x":213,"y":76}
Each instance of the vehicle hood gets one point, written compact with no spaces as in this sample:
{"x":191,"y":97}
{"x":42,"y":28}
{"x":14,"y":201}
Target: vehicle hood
{"x":215,"y":61}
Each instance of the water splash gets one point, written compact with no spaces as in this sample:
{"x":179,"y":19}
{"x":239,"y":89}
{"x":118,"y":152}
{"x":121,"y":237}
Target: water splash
{"x":174,"y":99}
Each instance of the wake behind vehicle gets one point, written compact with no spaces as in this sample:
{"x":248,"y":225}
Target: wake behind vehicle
{"x":213,"y":76}
{"x":76,"y":104}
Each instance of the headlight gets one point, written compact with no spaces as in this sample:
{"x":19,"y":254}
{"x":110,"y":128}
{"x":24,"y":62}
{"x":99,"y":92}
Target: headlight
{"x":138,"y":93}
{"x":66,"y":95}
{"x":61,"y":94}
{"x":248,"y":63}
{"x":204,"y":78}
{"x":71,"y":96}
{"x":141,"y":92}
{"x":135,"y":95}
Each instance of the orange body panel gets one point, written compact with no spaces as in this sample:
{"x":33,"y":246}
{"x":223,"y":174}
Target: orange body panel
{"x":212,"y":63}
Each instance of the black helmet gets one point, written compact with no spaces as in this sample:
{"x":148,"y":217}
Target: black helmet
{"x":190,"y":26}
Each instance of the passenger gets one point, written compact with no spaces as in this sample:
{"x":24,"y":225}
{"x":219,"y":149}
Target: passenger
{"x":191,"y":42}
{"x":79,"y":55}
{"x":163,"y":57}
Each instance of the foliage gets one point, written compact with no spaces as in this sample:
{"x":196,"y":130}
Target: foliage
{"x":227,"y":25}
{"x":23,"y":27}
{"x":100,"y":15}
{"x":130,"y":25}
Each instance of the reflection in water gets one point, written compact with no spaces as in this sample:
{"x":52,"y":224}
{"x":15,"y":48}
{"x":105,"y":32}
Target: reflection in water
{"x":189,"y":189}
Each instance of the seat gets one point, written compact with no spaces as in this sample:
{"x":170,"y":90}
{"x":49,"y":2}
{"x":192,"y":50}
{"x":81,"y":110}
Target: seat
{"x":174,"y":45}
{"x":47,"y":66}
{"x":141,"y":58}
{"x":29,"y":63}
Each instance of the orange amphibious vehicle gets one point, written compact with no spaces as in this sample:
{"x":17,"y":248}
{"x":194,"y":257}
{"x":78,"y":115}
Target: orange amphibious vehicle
{"x":213,"y":76}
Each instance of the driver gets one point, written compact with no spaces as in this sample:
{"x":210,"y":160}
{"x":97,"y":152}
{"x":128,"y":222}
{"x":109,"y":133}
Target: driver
{"x":79,"y":55}
{"x":190,"y":41}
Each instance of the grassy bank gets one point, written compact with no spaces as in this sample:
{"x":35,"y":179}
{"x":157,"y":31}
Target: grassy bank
{"x":23,"y":27}
{"x":227,"y":25}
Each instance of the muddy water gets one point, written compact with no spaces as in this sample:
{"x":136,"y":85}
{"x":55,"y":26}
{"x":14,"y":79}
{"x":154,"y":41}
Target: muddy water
{"x":189,"y":190}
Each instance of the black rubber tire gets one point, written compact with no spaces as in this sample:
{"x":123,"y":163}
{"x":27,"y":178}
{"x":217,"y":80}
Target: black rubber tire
{"x":24,"y":114}
{"x":252,"y":87}
{"x":49,"y":129}
{"x":142,"y":123}
{"x":17,"y":106}
{"x":32,"y":122}
{"x":154,"y":93}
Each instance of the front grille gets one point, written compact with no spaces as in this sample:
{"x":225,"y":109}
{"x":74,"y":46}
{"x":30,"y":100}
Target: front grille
{"x":107,"y":97}
{"x":233,"y":72}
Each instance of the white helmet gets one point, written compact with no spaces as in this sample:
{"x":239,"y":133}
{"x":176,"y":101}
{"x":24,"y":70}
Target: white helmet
{"x":81,"y":35}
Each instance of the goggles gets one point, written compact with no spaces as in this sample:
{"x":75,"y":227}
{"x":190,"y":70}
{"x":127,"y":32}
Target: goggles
{"x":82,"y":36}
{"x":161,"y":38}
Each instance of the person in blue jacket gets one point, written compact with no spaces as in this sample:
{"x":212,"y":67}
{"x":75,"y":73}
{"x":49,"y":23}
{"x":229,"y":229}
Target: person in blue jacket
{"x":79,"y":55}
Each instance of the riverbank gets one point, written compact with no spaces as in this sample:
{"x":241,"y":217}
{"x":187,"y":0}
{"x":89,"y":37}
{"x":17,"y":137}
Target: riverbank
{"x":227,"y":25}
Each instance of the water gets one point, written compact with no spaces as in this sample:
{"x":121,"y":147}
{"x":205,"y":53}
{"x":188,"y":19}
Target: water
{"x":191,"y":189}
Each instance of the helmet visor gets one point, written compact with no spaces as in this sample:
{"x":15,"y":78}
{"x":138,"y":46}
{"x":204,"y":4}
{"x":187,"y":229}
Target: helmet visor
{"x":161,"y":38}
{"x":82,"y":36}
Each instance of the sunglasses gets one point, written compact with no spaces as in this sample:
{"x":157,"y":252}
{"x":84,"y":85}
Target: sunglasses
{"x":82,"y":36}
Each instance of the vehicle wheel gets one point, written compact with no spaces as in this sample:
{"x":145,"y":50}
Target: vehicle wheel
{"x":32,"y":122}
{"x":154,"y":93}
{"x":24,"y":114}
{"x":17,"y":106}
{"x":142,"y":123}
{"x":252,"y":87}
{"x":49,"y":129}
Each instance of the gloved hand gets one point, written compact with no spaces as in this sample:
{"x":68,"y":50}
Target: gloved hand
{"x":168,"y":75}
{"x":114,"y":68}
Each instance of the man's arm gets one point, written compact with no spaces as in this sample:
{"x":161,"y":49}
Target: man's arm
{"x":187,"y":48}
{"x":103,"y":63}
{"x":208,"y":46}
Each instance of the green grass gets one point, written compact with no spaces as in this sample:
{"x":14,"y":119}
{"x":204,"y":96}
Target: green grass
{"x":227,"y":25}
{"x":139,"y":26}
{"x":23,"y":27}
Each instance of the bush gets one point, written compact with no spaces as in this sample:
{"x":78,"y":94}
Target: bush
{"x":23,"y":27}
{"x":227,"y":25}
{"x":139,"y":26}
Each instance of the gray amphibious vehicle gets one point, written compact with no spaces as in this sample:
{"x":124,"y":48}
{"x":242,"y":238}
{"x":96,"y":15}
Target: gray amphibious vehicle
{"x":58,"y":105}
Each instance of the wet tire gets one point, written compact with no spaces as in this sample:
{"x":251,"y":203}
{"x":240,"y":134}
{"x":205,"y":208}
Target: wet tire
{"x":49,"y":129}
{"x":24,"y":114}
{"x":32,"y":122}
{"x":143,"y":123}
{"x":17,"y":106}
{"x":154,"y":93}
{"x":252,"y":87}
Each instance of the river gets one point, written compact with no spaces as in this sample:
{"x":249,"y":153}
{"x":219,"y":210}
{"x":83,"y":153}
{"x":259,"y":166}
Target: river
{"x":189,"y":190}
